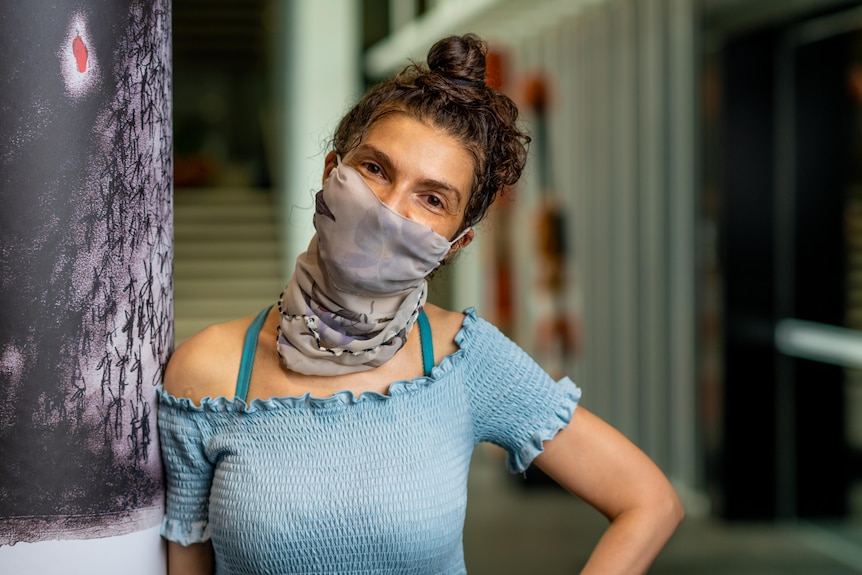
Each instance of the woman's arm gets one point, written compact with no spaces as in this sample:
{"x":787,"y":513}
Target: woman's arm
{"x":205,"y":365}
{"x":598,"y":464}
{"x":196,"y":559}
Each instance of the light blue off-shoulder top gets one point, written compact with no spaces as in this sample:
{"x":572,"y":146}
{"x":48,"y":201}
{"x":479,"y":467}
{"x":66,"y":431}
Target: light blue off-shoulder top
{"x":372,"y":484}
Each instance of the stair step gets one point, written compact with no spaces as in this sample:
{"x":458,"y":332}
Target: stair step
{"x":227,"y":287}
{"x":197,"y":231}
{"x":223,"y":213}
{"x":190,"y":249}
{"x":227,"y":257}
{"x":222,"y":309}
{"x":185,"y":327}
{"x":221,"y":196}
{"x":186,"y":324}
{"x":216,"y":268}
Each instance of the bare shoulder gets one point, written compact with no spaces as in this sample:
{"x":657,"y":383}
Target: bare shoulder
{"x":443,"y":320}
{"x":206,"y":365}
{"x":445,"y":325}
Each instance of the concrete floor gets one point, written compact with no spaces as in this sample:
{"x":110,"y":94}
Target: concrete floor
{"x":515,"y":530}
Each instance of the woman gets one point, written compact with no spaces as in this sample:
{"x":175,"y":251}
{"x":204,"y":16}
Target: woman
{"x":327,"y":435}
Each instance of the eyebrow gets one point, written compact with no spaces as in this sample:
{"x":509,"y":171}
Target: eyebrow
{"x":382,"y":158}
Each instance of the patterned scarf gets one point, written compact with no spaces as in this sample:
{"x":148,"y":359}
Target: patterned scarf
{"x":356,"y":292}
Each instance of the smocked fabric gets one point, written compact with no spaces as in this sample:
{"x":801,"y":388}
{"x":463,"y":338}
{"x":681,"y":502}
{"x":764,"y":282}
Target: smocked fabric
{"x":355,"y":484}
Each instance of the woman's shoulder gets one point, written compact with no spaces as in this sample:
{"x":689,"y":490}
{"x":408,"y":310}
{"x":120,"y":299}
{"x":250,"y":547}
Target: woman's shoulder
{"x":451,"y":329}
{"x":443,"y":319}
{"x":207,"y":364}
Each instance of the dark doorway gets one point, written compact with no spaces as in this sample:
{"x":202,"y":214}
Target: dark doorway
{"x":789,"y":189}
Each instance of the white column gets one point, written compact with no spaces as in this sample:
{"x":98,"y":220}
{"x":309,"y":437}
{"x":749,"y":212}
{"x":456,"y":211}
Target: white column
{"x":86,"y":287}
{"x":323,"y":59}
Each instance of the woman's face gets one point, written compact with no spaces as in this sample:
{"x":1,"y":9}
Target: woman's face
{"x":420,"y":172}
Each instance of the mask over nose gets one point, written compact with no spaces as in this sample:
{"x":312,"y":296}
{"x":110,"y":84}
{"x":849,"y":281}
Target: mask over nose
{"x":357,"y":291}
{"x":366,"y":247}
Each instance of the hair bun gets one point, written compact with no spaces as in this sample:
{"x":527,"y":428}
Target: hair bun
{"x":460,"y":59}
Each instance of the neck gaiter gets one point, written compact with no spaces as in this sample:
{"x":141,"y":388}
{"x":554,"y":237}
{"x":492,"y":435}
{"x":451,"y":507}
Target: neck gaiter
{"x":358,"y":289}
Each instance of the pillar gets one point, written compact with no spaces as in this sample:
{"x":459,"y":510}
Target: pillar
{"x":86,"y":296}
{"x":322,"y":54}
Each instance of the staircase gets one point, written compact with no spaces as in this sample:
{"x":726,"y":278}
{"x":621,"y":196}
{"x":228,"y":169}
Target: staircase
{"x":227,"y":263}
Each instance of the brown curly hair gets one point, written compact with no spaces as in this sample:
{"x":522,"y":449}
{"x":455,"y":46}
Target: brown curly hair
{"x":450,"y":94}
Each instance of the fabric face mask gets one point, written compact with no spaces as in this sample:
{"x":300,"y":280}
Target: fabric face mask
{"x":366,"y":247}
{"x":356,"y":292}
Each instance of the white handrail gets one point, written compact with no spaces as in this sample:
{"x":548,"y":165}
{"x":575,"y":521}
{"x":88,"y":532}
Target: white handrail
{"x":819,"y":342}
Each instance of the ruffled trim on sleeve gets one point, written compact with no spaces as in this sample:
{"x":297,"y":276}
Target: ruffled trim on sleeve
{"x":519,"y":461}
{"x":183,"y":533}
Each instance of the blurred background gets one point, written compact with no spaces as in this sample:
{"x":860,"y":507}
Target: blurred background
{"x":686,"y":243}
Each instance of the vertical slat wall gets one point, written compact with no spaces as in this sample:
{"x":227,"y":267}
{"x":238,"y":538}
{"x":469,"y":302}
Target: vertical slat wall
{"x":652,"y":137}
{"x":682,"y":52}
{"x":525,"y":56}
{"x":622,"y":144}
{"x":622,"y":139}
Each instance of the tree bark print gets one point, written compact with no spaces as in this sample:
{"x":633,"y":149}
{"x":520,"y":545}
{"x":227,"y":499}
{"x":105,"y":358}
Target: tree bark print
{"x":86,"y":256}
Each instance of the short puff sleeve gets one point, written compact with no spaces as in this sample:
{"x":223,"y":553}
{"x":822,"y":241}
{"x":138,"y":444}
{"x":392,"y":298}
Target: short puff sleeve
{"x":514,"y":403}
{"x":188,"y":471}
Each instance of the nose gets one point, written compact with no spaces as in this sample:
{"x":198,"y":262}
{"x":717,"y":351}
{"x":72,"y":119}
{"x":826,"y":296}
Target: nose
{"x":395,"y":197}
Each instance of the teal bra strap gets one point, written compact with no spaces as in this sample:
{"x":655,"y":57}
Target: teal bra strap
{"x":248,"y":350}
{"x":427,"y":343}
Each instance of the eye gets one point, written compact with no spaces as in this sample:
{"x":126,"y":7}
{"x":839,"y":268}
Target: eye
{"x":372,"y":168}
{"x":436,"y":202}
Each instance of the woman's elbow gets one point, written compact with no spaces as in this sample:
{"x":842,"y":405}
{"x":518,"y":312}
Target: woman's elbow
{"x":670,"y":508}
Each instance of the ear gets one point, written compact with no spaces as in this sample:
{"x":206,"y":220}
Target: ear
{"x":329,"y":164}
{"x":460,"y":244}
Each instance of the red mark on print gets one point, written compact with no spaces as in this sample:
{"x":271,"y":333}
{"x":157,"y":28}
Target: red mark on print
{"x":79,"y":49}
{"x":79,"y":60}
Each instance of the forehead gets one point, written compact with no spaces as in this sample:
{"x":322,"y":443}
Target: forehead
{"x":418,"y":147}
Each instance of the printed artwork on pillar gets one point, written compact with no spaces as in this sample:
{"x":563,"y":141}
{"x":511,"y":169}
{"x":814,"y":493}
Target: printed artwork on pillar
{"x":86,"y":294}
